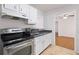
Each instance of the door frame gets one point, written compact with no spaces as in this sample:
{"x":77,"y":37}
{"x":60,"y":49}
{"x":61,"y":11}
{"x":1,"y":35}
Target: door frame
{"x":75,"y":31}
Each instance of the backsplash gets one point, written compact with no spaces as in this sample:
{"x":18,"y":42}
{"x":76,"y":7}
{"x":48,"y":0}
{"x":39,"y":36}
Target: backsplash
{"x":7,"y":23}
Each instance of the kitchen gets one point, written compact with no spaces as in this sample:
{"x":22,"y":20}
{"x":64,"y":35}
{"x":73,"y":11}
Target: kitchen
{"x":28,"y":29}
{"x":19,"y":26}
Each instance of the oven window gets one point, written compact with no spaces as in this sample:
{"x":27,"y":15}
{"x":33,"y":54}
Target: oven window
{"x":25,"y":51}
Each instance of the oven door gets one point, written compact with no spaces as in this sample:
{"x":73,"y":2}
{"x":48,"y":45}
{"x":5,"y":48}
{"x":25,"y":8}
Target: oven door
{"x":22,"y":49}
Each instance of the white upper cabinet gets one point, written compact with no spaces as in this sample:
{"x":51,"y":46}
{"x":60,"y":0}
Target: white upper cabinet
{"x":23,"y":10}
{"x":39,"y":21}
{"x":33,"y":15}
{"x":27,"y":11}
{"x":10,"y":9}
{"x":13,"y":7}
{"x":16,"y":10}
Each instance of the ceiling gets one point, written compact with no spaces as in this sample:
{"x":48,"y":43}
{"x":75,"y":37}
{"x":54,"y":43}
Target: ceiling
{"x":47,"y":7}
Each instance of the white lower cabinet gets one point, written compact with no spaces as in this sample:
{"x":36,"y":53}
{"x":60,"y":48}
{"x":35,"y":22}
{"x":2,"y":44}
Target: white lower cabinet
{"x":41,"y":43}
{"x":38,"y":45}
{"x":48,"y":40}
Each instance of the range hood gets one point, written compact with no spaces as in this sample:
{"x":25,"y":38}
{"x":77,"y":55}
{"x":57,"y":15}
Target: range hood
{"x":13,"y":16}
{"x":16,"y":16}
{"x":25,"y":20}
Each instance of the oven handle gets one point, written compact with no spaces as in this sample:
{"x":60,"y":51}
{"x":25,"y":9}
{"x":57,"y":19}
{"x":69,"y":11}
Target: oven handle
{"x":24,"y":45}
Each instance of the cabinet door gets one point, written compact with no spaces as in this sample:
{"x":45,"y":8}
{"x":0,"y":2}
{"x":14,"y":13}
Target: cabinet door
{"x":22,"y":9}
{"x":47,"y":40}
{"x":39,"y":23}
{"x":38,"y":45}
{"x":33,"y":15}
{"x":18,"y":10}
{"x":12,"y":7}
{"x":27,"y":11}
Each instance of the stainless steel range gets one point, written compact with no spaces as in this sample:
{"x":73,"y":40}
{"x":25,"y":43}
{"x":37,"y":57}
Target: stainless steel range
{"x":16,"y":41}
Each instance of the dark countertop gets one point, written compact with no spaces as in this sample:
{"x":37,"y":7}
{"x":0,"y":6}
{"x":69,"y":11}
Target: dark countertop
{"x":34,"y":34}
{"x":41,"y":33}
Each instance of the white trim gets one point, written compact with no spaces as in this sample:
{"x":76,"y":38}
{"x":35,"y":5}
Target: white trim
{"x":75,"y":44}
{"x":54,"y":32}
{"x":75,"y":33}
{"x":54,"y":39}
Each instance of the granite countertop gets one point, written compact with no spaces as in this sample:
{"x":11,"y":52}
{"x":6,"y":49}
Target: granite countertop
{"x":41,"y":33}
{"x":34,"y":34}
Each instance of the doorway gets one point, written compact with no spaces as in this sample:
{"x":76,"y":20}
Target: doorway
{"x":65,"y":32}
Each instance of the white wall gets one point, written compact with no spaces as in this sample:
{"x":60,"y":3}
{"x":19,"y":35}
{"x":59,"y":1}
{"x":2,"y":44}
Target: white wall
{"x":67,"y":27}
{"x":50,"y":16}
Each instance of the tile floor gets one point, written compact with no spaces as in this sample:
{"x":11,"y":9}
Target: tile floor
{"x":57,"y":50}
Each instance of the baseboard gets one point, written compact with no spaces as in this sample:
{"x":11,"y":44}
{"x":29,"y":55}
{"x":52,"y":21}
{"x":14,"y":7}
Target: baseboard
{"x":67,"y":37}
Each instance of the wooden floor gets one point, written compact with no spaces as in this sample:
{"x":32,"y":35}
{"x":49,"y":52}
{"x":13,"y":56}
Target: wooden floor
{"x":67,"y":42}
{"x":64,"y":41}
{"x":57,"y":50}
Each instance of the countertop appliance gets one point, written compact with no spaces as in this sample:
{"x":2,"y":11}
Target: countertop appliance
{"x":16,"y":41}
